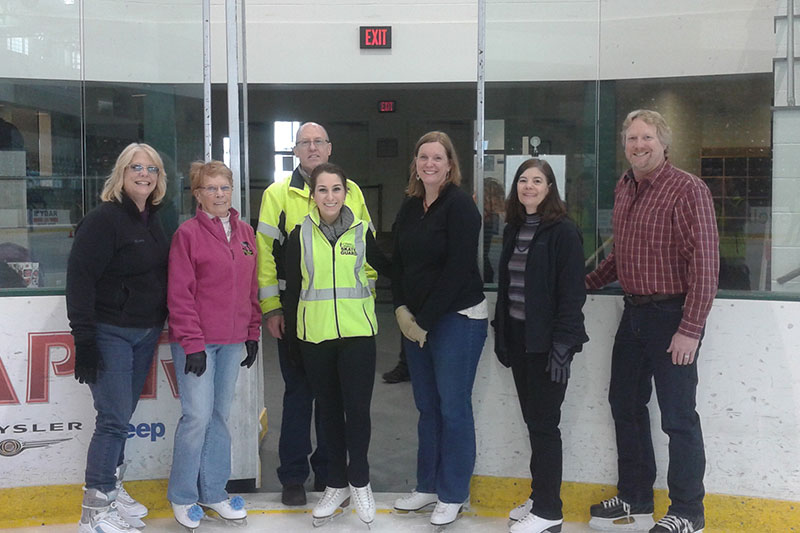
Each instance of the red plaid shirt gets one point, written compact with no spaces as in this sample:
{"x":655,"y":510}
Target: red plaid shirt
{"x":665,"y":242}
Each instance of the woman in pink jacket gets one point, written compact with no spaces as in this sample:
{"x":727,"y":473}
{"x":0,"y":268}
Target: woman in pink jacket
{"x":214,"y":322}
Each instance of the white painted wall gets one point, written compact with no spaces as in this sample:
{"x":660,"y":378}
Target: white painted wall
{"x":316,"y":41}
{"x":748,"y":400}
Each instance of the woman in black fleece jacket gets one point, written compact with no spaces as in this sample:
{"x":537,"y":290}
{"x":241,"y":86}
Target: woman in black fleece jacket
{"x":539,"y":326}
{"x":117,"y":303}
{"x":439,"y":304}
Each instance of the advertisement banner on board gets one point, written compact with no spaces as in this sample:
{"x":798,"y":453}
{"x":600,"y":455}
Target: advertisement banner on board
{"x":47,"y":417}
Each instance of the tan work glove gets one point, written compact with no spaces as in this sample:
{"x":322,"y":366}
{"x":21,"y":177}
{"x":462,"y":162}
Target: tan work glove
{"x":404,"y":319}
{"x":417,"y":334}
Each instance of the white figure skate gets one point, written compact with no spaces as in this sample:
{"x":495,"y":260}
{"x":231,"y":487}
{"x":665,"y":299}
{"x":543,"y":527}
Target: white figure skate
{"x":364,"y":503}
{"x":331,"y":505}
{"x":231,"y":510}
{"x":99,"y":514}
{"x":189,"y":515}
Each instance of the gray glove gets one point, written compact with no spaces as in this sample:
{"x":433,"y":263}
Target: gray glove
{"x":558,"y":362}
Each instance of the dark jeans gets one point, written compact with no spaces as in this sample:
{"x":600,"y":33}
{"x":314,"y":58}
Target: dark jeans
{"x":639,"y":356}
{"x":294,"y":445}
{"x":540,"y":399}
{"x":342,"y":375}
{"x":126,"y":355}
{"x":442,"y":376}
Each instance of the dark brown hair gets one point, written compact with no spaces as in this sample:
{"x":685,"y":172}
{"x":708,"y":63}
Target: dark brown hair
{"x":551,"y":207}
{"x":330,"y":168}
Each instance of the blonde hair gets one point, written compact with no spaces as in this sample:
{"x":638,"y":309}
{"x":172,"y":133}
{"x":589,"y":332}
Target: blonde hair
{"x":415,"y":186}
{"x":653,"y":118}
{"x":112,"y":188}
{"x":200,"y":170}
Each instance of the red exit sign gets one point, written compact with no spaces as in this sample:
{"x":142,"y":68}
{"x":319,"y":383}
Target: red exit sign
{"x":387,"y":106}
{"x":375,"y":36}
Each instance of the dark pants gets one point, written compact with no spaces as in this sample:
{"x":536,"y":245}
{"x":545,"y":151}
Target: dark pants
{"x":540,"y":399}
{"x":342,"y":375}
{"x":639,"y":356}
{"x":294,"y":445}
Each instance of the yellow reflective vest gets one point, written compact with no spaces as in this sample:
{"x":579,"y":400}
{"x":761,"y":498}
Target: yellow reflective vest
{"x":335,"y":297}
{"x":284,"y":205}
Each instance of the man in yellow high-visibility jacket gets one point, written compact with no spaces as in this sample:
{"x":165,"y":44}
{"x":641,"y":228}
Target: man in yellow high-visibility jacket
{"x":284,"y":204}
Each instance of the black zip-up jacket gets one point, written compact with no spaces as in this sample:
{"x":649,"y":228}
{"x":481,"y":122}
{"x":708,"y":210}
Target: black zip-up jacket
{"x":554,"y":289}
{"x":117,"y":270}
{"x":435,"y":256}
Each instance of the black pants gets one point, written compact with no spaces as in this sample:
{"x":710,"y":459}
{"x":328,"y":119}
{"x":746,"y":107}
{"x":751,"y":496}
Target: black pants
{"x":540,"y":399}
{"x":640,"y":357}
{"x":342,"y":374}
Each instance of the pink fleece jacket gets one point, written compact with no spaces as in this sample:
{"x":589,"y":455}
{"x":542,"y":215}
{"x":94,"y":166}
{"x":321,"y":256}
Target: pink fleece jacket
{"x":212,"y":292}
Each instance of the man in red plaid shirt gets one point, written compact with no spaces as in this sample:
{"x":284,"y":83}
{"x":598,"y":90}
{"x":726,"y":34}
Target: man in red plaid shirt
{"x":666,"y":257}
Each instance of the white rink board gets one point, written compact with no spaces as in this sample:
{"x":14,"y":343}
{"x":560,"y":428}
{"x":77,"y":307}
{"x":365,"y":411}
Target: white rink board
{"x":748,"y":399}
{"x":41,"y":401}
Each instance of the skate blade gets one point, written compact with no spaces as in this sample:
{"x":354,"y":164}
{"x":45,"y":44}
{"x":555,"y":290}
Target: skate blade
{"x":233,"y":522}
{"x":428,"y":509}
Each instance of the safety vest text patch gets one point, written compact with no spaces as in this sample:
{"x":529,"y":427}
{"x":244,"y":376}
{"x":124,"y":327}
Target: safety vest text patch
{"x":347,"y":249}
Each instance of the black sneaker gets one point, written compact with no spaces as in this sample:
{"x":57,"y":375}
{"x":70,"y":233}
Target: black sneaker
{"x":397,"y":374}
{"x":293,"y":495}
{"x":677,"y":524}
{"x":617,"y":515}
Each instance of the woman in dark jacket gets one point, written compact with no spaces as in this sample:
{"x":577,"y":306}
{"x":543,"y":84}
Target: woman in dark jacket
{"x":117,"y":303}
{"x":539,"y":326}
{"x":442,"y":313}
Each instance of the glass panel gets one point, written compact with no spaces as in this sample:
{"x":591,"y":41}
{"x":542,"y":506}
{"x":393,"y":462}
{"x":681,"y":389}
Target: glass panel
{"x":40,"y":143}
{"x":539,"y":56}
{"x":67,"y":108}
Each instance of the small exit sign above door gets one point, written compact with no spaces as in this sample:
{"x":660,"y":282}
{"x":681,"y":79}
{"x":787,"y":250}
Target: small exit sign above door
{"x":375,"y":37}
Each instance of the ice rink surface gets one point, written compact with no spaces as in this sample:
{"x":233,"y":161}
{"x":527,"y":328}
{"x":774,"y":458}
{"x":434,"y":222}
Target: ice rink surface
{"x":267,"y":515}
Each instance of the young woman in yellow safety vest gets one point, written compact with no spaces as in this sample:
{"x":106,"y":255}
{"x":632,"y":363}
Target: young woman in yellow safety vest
{"x":330,"y":313}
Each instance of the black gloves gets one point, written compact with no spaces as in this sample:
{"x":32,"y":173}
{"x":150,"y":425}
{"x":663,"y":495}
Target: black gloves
{"x":87,"y":360}
{"x":252,"y":352}
{"x":195,"y":363}
{"x":558,"y":362}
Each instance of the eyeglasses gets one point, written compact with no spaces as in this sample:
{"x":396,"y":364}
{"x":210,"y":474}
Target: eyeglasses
{"x":319,"y":143}
{"x":150,"y":169}
{"x":212,"y":189}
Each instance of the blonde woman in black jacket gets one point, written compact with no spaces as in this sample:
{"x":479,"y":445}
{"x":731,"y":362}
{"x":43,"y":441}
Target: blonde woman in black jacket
{"x":539,"y":326}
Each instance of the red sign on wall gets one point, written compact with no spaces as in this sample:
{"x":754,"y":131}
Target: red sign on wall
{"x":375,"y":37}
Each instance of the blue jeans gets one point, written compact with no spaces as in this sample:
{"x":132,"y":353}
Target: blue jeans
{"x":442,"y":375}
{"x":294,"y":445}
{"x":126,"y":355}
{"x":201,"y":458}
{"x":639,"y":357}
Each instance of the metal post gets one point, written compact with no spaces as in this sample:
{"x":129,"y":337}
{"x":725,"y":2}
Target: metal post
{"x":207,"y":79}
{"x":245,"y":122}
{"x":479,"y":122}
{"x":790,"y":100}
{"x":232,"y":46}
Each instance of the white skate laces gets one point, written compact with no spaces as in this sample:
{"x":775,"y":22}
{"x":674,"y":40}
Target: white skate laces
{"x":521,"y":511}
{"x":364,"y":502}
{"x":445,"y":513}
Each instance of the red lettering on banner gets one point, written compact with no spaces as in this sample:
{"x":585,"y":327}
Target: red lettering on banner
{"x":169,"y":370}
{"x":150,"y":389}
{"x":39,"y":345}
{"x":7,"y":394}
